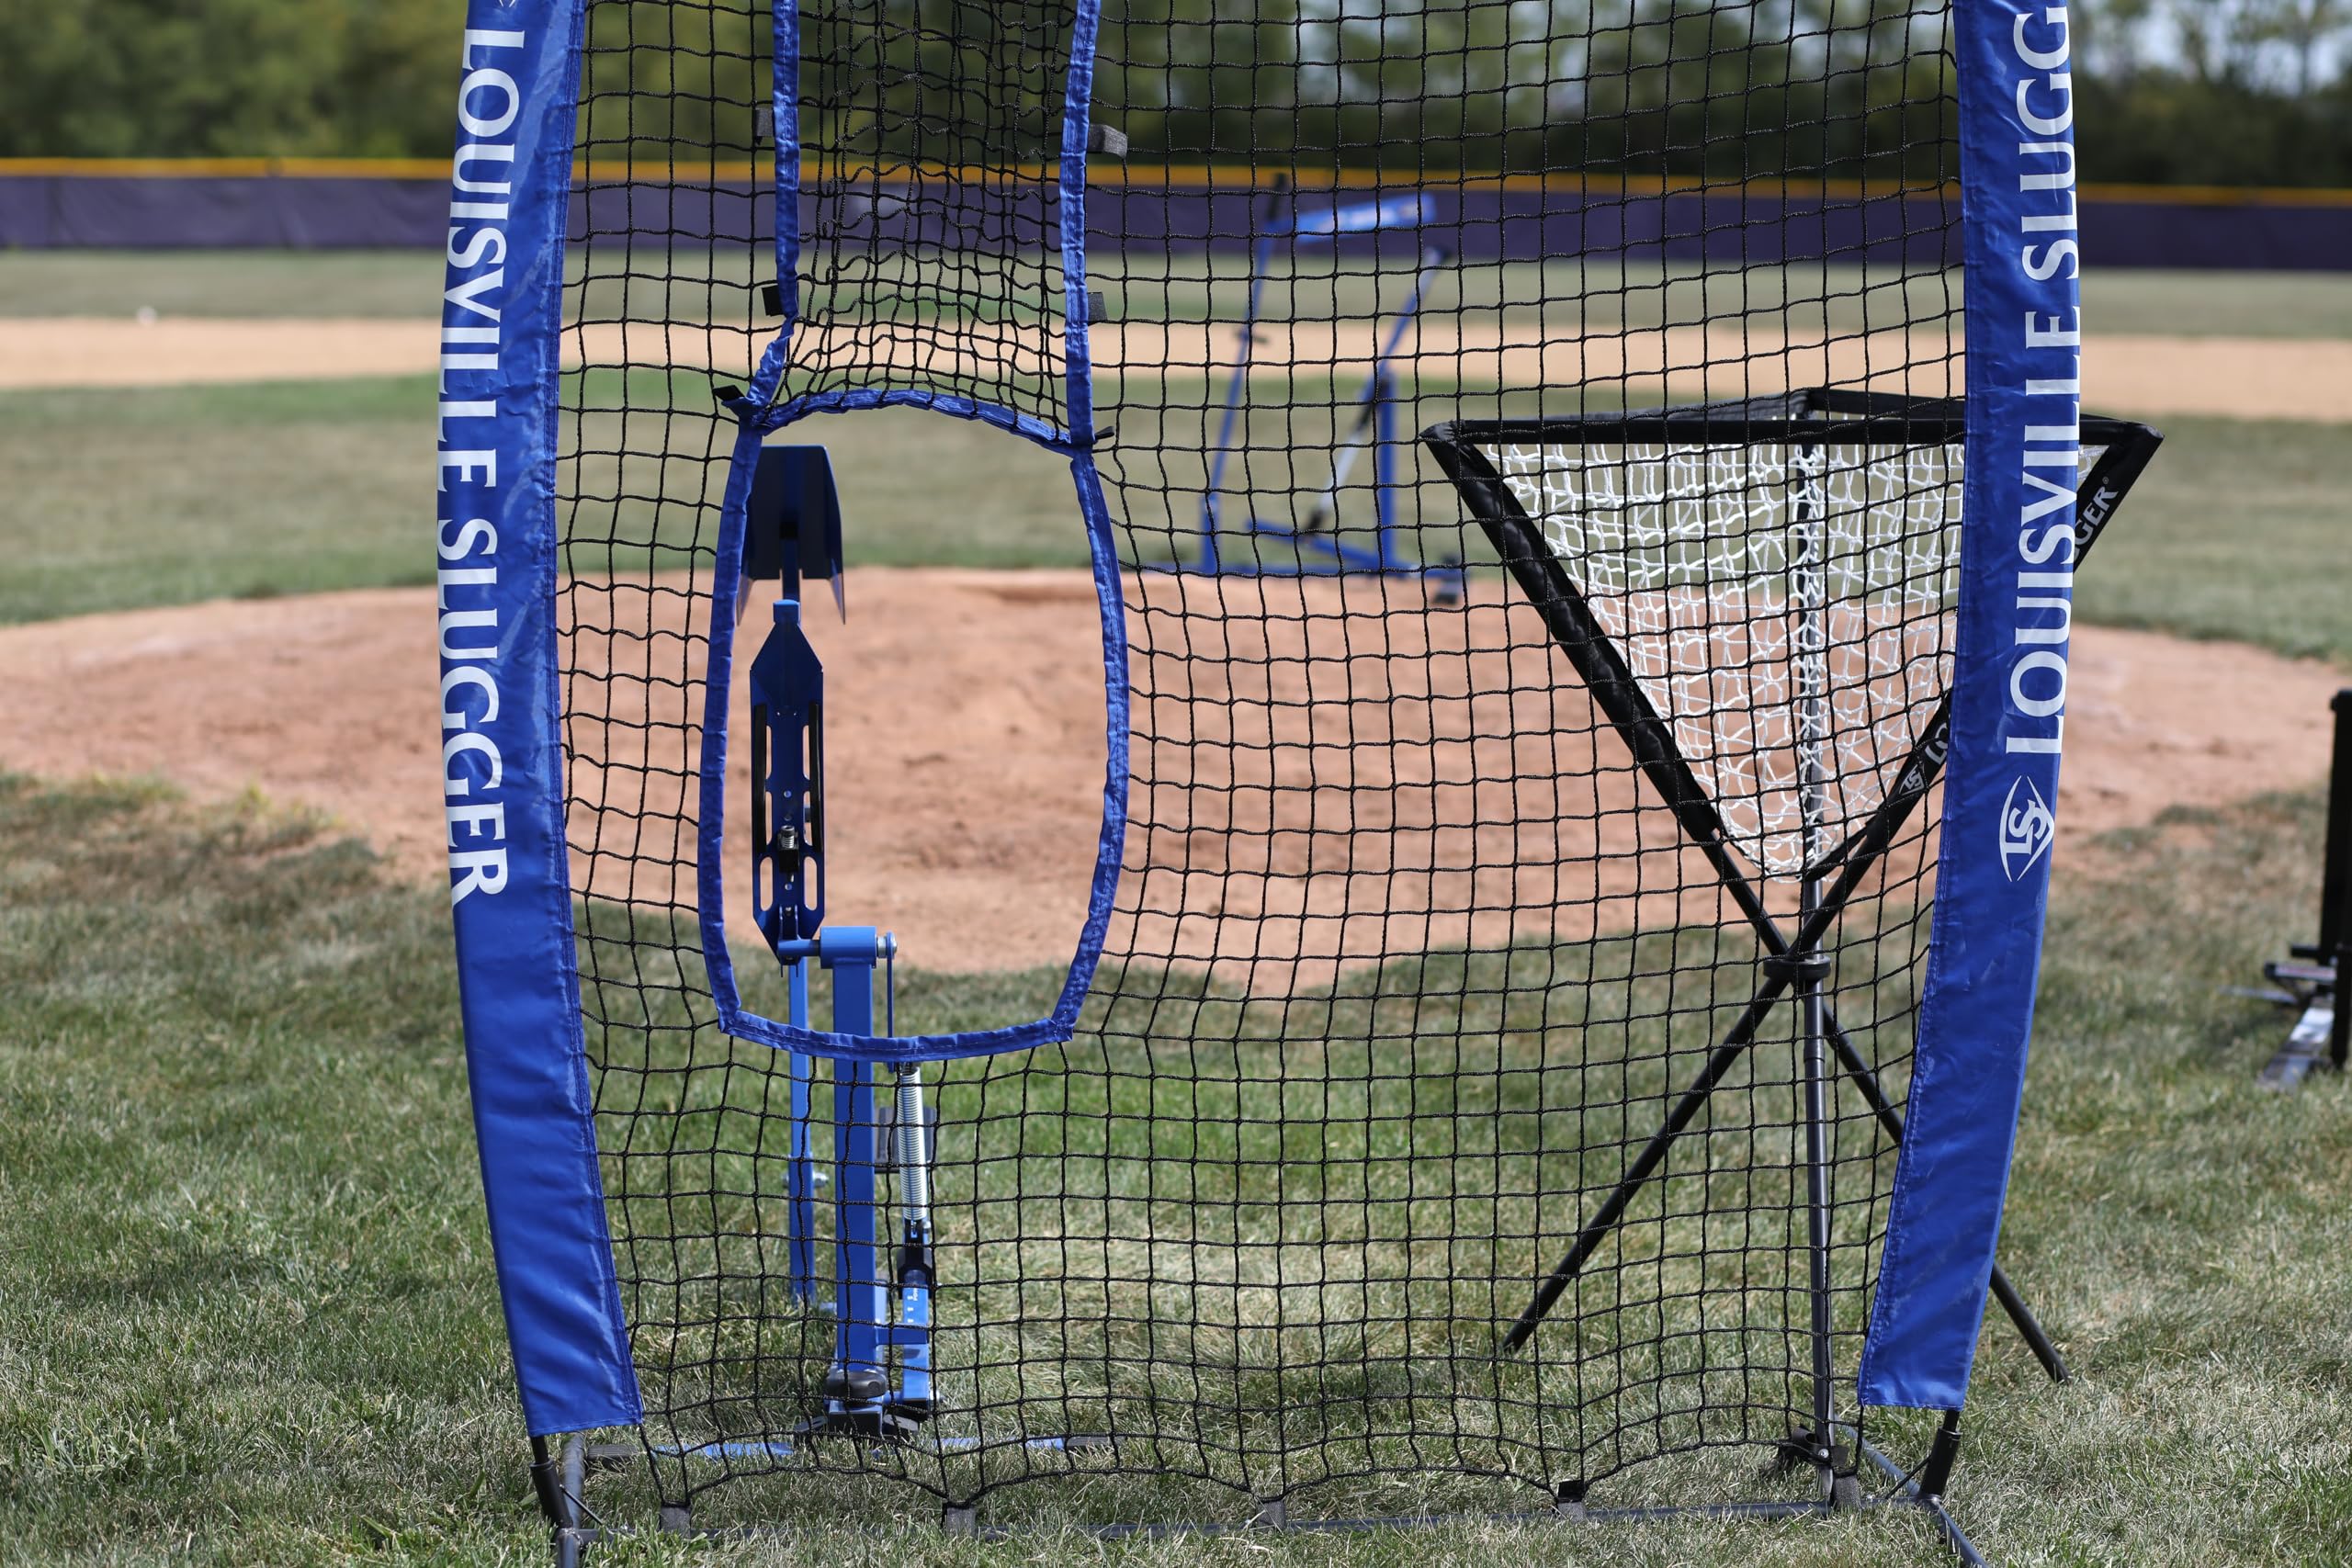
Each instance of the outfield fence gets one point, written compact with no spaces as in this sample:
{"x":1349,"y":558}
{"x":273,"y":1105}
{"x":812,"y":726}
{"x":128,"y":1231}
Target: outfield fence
{"x":335,"y":204}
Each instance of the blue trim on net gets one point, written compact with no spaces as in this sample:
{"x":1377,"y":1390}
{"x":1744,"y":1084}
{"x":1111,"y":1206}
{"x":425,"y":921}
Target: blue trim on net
{"x":784,"y":106}
{"x":760,"y":420}
{"x":1077,"y":99}
{"x":1102,"y":544}
{"x":954,"y":405}
{"x":517,"y":950}
{"x":1985,"y":946}
{"x":630,"y":1405}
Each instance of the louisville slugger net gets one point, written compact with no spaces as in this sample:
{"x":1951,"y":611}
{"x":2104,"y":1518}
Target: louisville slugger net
{"x":1487,"y":1044}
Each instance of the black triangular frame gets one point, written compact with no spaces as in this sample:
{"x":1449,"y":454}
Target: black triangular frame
{"x":1793,"y":960}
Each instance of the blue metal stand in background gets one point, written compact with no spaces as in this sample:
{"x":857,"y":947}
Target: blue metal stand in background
{"x":1312,"y":545}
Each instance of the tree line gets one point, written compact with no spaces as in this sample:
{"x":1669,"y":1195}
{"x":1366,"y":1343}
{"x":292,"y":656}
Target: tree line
{"x":2204,"y":92}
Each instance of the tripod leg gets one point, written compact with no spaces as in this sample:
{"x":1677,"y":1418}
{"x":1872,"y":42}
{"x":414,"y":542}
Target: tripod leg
{"x":1936,"y":1474}
{"x":1612,"y":1209}
{"x":1859,"y":1073}
{"x":2029,"y":1327}
{"x":1814,"y":1046}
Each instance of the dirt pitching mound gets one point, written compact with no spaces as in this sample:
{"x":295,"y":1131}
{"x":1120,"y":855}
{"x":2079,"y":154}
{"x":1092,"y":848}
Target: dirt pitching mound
{"x":964,"y":749}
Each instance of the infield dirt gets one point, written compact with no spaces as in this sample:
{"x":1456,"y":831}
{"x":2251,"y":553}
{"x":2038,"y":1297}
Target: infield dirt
{"x":2148,"y":376}
{"x":965,"y":750}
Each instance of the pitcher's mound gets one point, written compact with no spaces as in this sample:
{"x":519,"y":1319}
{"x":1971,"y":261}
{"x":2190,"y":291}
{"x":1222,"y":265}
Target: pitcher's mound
{"x":965,"y":742}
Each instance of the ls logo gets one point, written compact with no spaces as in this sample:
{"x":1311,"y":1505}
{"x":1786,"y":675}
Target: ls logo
{"x":2027,"y":827}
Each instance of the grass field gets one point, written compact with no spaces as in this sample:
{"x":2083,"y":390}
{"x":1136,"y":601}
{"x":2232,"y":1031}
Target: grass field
{"x":232,"y":284}
{"x":249,"y":1314}
{"x":256,"y":491}
{"x":2240,"y":529}
{"x":247,"y":491}
{"x":220,"y":283}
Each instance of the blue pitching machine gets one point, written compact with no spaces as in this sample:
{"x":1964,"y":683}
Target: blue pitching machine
{"x":1312,"y":545}
{"x":879,"y":1382}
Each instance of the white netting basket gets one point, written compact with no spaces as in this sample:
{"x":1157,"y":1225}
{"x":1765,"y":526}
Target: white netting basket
{"x":1784,"y":605}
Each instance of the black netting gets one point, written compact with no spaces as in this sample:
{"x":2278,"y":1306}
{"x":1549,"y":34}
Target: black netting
{"x":1447,"y":873}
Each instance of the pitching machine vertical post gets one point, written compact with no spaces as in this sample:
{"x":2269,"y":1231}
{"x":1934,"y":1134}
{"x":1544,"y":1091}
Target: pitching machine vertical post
{"x":882,"y":1299}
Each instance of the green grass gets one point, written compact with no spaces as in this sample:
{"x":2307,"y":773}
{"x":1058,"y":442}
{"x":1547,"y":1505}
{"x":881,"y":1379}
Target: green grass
{"x":1153,"y":1158}
{"x":237,"y":1297}
{"x":122,"y":499}
{"x":118,"y":499}
{"x":220,"y":283}
{"x":169,"y":495}
{"x":2115,"y":300}
{"x":250,"y":1316}
{"x":917,"y":489}
{"x":2236,"y":532}
{"x":408,"y":283}
{"x":2239,"y":530}
{"x":2218,"y":304}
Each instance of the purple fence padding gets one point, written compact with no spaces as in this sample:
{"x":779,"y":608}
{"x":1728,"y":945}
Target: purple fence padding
{"x":683,"y":213}
{"x":80,"y":211}
{"x":24,"y":215}
{"x":2252,"y":235}
{"x":220,"y":212}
